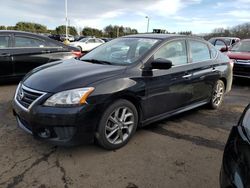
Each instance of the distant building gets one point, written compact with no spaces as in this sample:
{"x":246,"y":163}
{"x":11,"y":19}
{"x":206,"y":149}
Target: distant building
{"x":159,"y":31}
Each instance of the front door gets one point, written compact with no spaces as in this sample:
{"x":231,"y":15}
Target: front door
{"x":169,"y":90}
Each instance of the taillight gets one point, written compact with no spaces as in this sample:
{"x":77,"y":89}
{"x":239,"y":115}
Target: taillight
{"x":231,"y":62}
{"x":77,"y":53}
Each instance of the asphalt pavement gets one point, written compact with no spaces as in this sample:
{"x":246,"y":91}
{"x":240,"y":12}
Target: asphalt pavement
{"x":182,"y":151}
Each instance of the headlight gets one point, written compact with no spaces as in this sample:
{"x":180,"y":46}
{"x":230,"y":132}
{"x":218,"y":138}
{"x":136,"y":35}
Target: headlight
{"x":69,"y":97}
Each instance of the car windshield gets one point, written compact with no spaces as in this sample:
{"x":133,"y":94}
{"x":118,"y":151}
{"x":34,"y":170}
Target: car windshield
{"x":242,"y":46}
{"x":121,"y":51}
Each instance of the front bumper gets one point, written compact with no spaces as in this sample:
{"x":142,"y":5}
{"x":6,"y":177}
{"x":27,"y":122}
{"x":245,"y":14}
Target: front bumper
{"x":61,"y":126}
{"x":241,"y":69}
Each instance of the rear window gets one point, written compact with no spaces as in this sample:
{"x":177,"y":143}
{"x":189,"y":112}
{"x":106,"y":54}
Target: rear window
{"x":4,"y":41}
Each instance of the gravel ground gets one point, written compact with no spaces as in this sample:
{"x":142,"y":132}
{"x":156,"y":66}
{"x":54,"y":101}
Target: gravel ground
{"x":183,"y":151}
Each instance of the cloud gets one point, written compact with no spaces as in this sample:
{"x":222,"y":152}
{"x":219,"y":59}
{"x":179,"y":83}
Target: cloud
{"x":173,"y":15}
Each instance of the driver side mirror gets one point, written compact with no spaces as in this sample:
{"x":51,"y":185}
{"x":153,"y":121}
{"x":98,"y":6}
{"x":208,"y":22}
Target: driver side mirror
{"x":161,"y":64}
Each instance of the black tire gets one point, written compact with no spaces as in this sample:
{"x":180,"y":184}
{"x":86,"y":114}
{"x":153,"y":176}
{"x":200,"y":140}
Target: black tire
{"x":217,"y":95}
{"x":106,"y":126}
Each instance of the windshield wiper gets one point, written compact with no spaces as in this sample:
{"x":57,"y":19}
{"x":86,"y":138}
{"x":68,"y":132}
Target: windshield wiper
{"x":97,"y":61}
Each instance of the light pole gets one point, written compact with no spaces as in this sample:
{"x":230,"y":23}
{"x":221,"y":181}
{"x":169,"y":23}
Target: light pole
{"x":148,"y":22}
{"x":66,"y":17}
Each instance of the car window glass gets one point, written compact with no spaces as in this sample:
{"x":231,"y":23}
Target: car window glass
{"x":219,"y":43}
{"x":121,"y":51}
{"x":51,"y":44}
{"x":91,"y":41}
{"x":242,"y":46}
{"x":98,"y":41}
{"x":28,"y":42}
{"x":174,"y":51}
{"x":199,"y":51}
{"x":4,"y":41}
{"x":213,"y":51}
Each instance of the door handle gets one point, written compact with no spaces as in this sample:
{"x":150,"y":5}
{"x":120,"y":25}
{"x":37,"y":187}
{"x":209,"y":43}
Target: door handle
{"x":213,"y":70}
{"x":45,"y":51}
{"x":187,"y":76}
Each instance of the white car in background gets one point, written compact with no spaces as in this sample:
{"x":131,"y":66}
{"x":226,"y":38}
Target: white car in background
{"x":87,"y":44}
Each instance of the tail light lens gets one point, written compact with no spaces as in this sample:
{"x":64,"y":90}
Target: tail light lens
{"x":77,"y":53}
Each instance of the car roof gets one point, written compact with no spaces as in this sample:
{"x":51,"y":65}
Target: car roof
{"x":161,"y":36}
{"x":225,"y":38}
{"x":24,"y":33}
{"x":15,"y":31}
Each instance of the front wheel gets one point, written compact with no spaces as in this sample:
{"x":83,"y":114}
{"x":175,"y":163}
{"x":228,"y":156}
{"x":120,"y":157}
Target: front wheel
{"x":117,"y":125}
{"x":217,"y":95}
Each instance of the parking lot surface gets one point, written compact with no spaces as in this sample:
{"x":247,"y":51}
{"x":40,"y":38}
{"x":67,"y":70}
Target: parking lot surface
{"x":183,"y":151}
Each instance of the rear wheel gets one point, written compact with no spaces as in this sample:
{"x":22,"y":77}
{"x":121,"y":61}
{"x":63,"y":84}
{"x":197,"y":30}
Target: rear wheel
{"x":117,"y":125}
{"x":217,"y":95}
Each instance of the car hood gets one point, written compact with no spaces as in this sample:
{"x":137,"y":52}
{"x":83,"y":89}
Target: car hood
{"x":239,"y":55}
{"x":68,"y":74}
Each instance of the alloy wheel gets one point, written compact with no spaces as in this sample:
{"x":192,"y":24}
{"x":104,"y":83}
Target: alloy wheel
{"x":119,"y":125}
{"x":218,"y":94}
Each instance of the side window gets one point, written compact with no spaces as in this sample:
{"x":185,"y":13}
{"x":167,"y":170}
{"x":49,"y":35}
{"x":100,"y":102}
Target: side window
{"x":199,"y":51}
{"x":98,"y":41}
{"x":4,"y":41}
{"x":174,"y":51}
{"x":91,"y":41}
{"x":28,"y":42}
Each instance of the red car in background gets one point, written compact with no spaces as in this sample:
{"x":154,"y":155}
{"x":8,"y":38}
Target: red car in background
{"x":240,"y":54}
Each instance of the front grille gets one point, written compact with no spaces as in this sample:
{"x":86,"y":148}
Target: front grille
{"x":244,"y":62}
{"x":26,"y":96}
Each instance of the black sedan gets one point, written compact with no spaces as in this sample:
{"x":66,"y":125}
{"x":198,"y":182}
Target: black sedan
{"x":21,"y":52}
{"x":126,"y":83}
{"x":235,"y":171}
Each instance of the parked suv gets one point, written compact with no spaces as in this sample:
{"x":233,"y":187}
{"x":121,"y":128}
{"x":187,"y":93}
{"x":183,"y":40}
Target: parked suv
{"x":21,"y":52}
{"x":126,"y":83}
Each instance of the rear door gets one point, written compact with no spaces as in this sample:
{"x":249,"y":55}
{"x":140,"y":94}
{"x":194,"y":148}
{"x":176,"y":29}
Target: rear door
{"x":6,"y":66}
{"x":29,"y":52}
{"x":203,"y":71}
{"x":54,"y":51}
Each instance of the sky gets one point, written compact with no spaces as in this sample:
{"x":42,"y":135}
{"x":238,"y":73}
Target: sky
{"x":198,"y":16}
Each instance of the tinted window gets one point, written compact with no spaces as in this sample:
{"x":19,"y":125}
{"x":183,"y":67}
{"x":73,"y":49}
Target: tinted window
{"x":28,"y":42}
{"x":199,"y":51}
{"x":4,"y":41}
{"x":91,"y":41}
{"x":174,"y":51}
